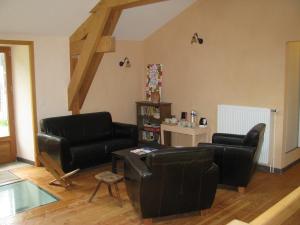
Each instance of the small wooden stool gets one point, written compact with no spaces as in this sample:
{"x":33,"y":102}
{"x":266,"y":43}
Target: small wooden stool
{"x":109,"y":179}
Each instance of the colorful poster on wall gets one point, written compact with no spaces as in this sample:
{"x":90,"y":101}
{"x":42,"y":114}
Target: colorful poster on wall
{"x":154,"y":80}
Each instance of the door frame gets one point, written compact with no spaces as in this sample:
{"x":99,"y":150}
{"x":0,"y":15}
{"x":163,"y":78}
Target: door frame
{"x":6,"y":50}
{"x":30,"y":45}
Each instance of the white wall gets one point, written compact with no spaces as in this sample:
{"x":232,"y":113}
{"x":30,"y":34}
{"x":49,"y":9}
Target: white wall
{"x":292,"y":96}
{"x":116,"y":89}
{"x":51,"y":73}
{"x":51,"y":81}
{"x":22,"y":102}
{"x":292,"y":103}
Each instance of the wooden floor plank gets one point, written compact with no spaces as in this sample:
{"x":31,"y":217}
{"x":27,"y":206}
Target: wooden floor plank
{"x":264,"y":190}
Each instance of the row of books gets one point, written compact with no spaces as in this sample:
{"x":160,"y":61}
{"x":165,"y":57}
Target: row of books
{"x":152,"y":127}
{"x":149,"y":111}
{"x":150,"y":136}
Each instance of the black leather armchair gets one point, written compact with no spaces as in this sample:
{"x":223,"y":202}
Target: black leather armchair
{"x":171,"y":181}
{"x":237,"y":155}
{"x":84,"y":140}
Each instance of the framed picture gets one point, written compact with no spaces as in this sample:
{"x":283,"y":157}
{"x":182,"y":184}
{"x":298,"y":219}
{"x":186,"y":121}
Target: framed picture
{"x":154,"y":82}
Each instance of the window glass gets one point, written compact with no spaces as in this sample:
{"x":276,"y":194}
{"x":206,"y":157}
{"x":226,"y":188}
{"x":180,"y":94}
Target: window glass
{"x":4,"y":129}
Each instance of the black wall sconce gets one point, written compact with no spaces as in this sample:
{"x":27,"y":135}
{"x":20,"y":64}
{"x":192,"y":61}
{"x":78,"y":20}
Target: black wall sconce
{"x":197,"y":39}
{"x":125,"y":62}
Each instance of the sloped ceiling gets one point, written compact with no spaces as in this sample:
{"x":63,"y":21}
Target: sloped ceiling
{"x":62,"y":17}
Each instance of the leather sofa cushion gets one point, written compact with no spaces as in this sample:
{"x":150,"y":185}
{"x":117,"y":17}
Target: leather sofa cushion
{"x":88,"y":154}
{"x":96,"y":152}
{"x":80,"y":128}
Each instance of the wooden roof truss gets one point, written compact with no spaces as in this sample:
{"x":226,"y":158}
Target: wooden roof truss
{"x":89,"y":43}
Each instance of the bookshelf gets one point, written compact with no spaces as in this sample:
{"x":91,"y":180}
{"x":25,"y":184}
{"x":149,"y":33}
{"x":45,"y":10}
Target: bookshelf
{"x":149,"y":117}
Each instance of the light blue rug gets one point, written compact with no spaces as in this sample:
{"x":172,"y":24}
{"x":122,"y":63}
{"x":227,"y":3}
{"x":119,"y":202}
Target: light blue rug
{"x":21,"y":196}
{"x":7,"y":177}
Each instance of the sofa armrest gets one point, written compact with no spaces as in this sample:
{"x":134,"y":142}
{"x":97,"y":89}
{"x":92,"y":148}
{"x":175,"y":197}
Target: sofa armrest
{"x":122,"y":130}
{"x":58,"y":148}
{"x":136,"y":175}
{"x":231,"y":152}
{"x":236,"y":163}
{"x":208,"y":190}
{"x":228,"y":139}
{"x":136,"y":166}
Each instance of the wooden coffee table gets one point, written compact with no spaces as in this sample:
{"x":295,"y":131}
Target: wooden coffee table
{"x":121,"y":154}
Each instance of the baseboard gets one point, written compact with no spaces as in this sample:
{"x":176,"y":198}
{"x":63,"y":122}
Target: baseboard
{"x":25,"y":161}
{"x":290,"y":165}
{"x":276,"y":170}
{"x":266,"y":169}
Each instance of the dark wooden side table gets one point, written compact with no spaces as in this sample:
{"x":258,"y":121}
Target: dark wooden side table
{"x":121,"y":154}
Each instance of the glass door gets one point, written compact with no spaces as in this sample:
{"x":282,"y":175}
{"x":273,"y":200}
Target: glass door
{"x":7,"y":131}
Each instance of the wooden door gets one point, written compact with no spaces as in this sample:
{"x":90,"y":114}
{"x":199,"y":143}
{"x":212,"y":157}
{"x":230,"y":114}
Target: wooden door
{"x":7,"y":127}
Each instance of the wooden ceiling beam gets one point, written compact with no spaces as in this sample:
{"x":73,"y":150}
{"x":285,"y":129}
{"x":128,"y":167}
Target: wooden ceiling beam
{"x":124,"y":4}
{"x":106,"y":44}
{"x":89,"y":43}
{"x":89,"y":79}
{"x":82,"y":31}
{"x":108,"y":30}
{"x":89,"y":48}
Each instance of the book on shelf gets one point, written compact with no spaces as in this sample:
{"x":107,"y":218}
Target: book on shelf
{"x":152,"y":127}
{"x":142,"y":151}
{"x":148,"y":136}
{"x":149,"y":110}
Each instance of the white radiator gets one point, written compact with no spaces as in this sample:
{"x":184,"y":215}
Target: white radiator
{"x":240,"y":119}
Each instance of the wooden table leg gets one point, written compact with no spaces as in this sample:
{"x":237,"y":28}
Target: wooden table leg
{"x":162,"y":136}
{"x":109,"y":190}
{"x":94,"y":193}
{"x":114,"y":164}
{"x":242,"y":190}
{"x":118,"y":194}
{"x":194,"y":141}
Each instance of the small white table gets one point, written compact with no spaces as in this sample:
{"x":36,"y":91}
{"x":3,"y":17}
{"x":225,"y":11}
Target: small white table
{"x":194,"y":132}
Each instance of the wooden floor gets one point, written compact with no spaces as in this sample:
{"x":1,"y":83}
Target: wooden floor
{"x":264,"y":190}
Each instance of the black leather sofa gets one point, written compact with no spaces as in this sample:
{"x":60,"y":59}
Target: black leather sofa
{"x":86,"y":140}
{"x":237,"y":155}
{"x":171,"y":181}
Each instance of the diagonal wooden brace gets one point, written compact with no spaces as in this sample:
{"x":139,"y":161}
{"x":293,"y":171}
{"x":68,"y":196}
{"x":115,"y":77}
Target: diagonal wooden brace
{"x":61,"y":178}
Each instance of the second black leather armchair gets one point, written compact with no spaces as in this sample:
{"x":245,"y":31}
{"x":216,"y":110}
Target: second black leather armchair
{"x":237,"y":155}
{"x":171,"y":181}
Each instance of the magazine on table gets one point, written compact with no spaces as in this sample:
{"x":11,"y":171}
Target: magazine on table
{"x":142,"y":151}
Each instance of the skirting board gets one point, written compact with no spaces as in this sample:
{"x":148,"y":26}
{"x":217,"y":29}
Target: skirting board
{"x":25,"y":161}
{"x":266,"y":169}
{"x":276,"y":170}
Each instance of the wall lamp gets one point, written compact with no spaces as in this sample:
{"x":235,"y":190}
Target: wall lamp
{"x":125,"y":62}
{"x":197,"y":39}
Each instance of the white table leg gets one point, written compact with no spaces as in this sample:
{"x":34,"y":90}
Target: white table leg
{"x":162,"y":136}
{"x":194,"y":142}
